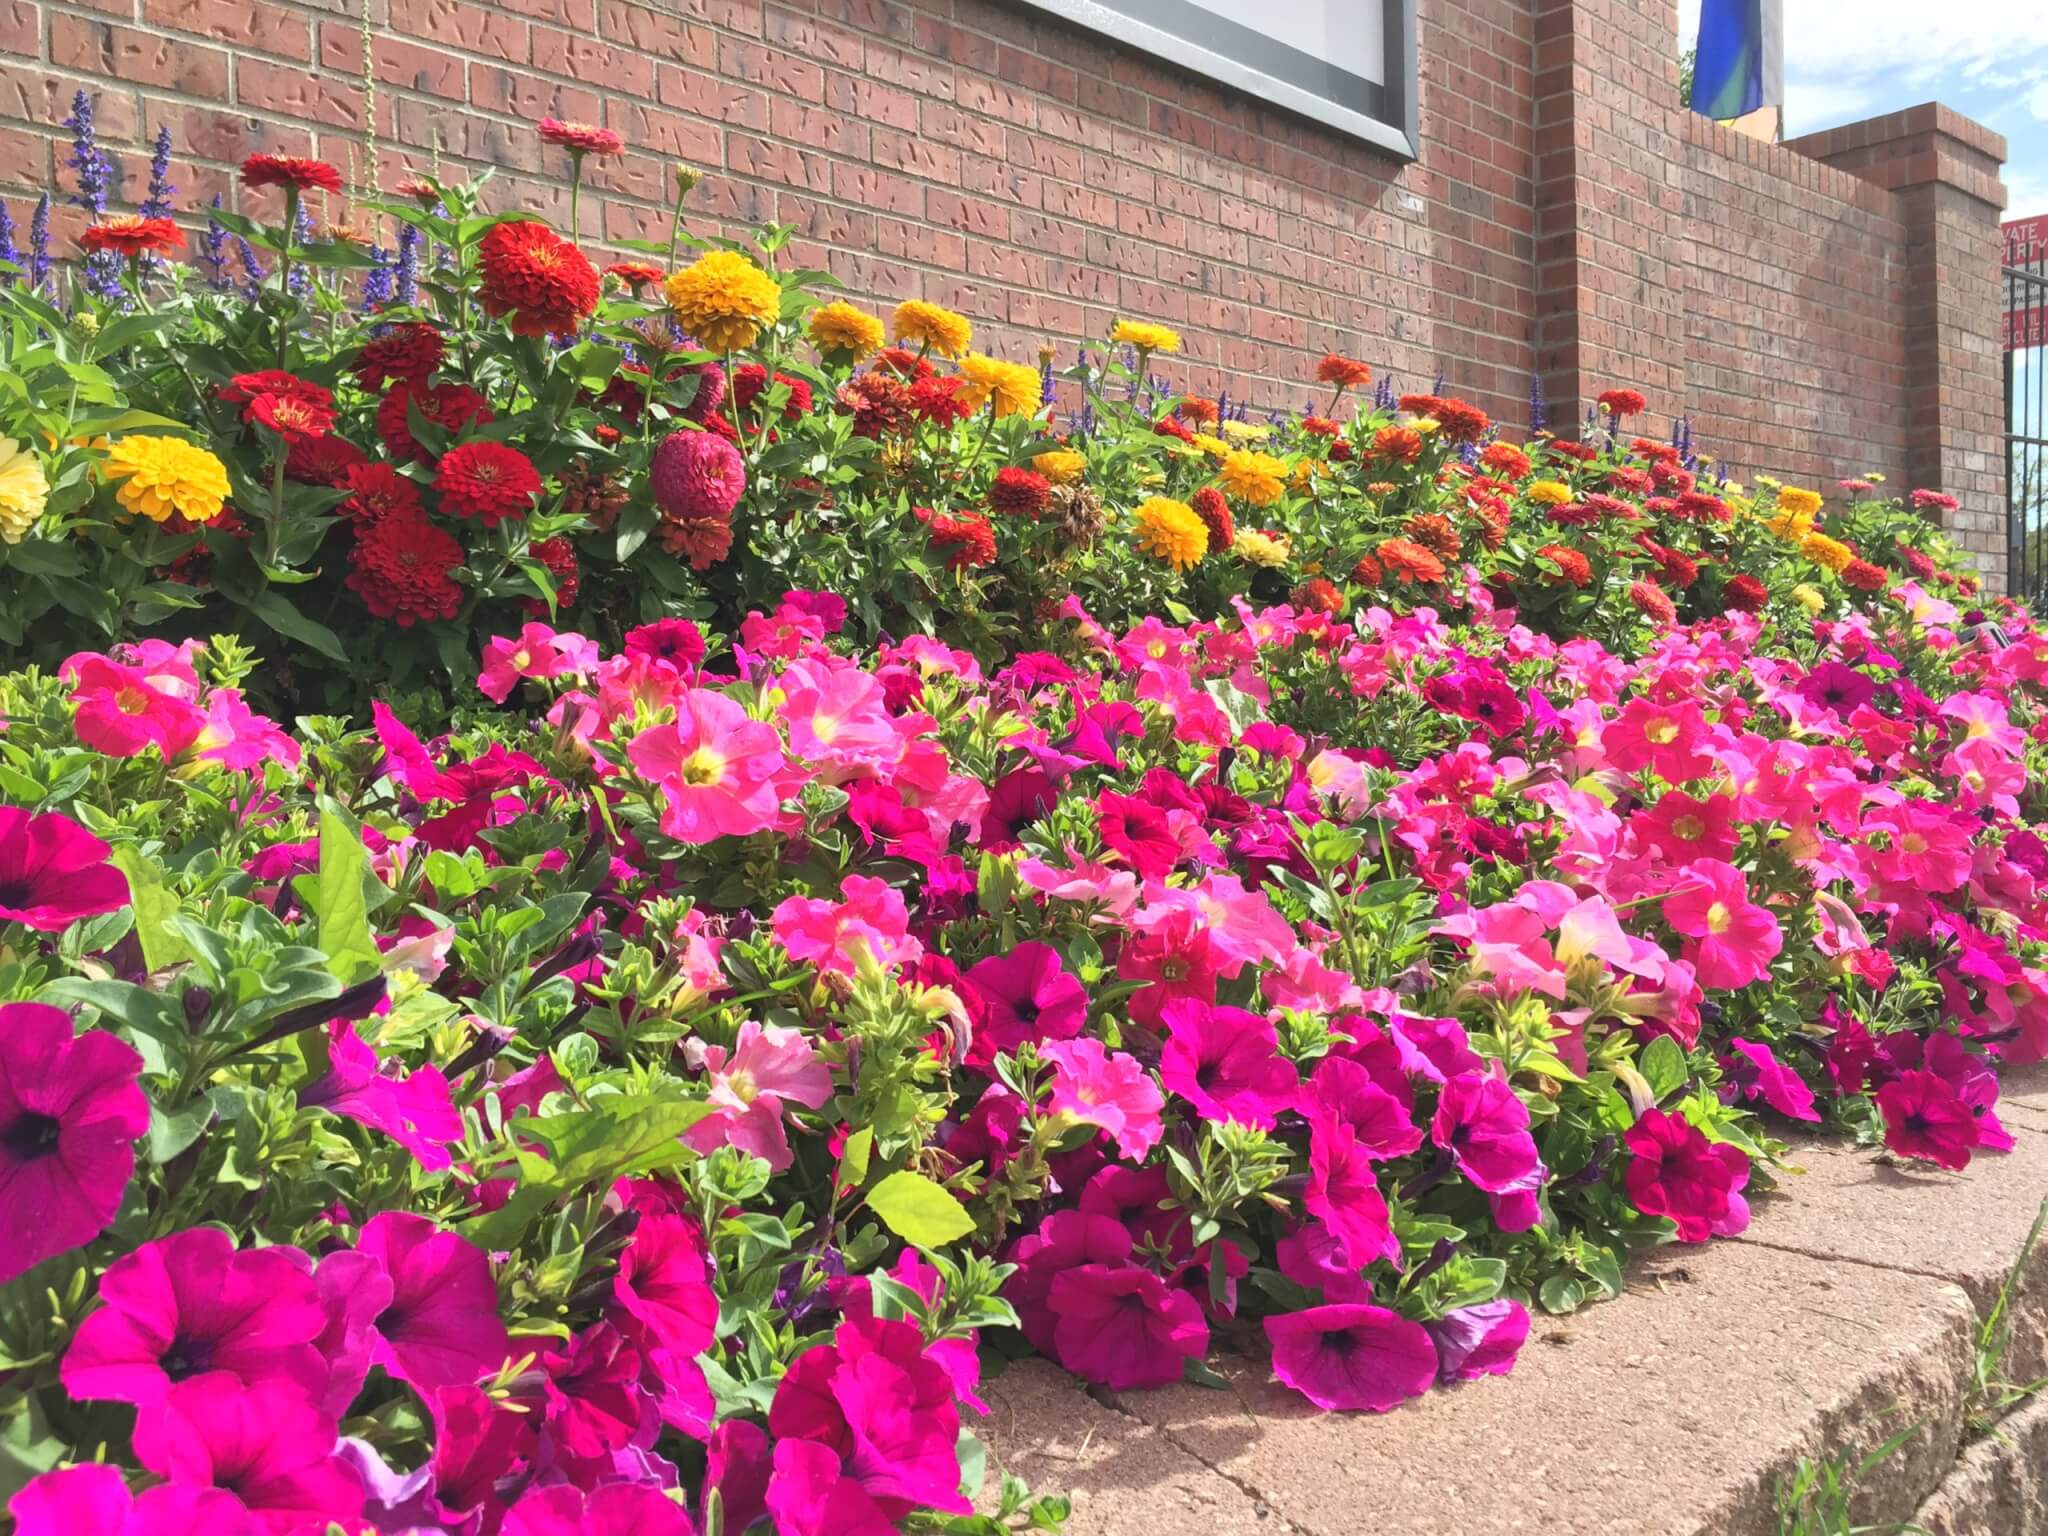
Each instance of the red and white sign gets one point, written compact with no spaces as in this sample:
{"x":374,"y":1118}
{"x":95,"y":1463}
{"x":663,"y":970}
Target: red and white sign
{"x":2026,"y":242}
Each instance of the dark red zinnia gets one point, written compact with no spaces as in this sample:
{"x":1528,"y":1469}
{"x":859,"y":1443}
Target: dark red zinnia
{"x":400,"y":568}
{"x":451,"y":407}
{"x":487,"y":481}
{"x":403,"y":354}
{"x":1020,"y":493}
{"x":290,"y":171}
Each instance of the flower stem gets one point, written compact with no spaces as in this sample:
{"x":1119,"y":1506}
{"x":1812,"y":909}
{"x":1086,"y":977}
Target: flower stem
{"x":284,"y":275}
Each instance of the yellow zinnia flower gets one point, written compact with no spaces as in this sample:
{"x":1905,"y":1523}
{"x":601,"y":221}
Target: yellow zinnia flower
{"x":1548,"y":493}
{"x":844,"y":334}
{"x":1172,"y":531}
{"x":1257,"y":479}
{"x":1824,"y":551}
{"x":24,"y":490}
{"x":162,"y":475}
{"x":1215,"y":447}
{"x":1258,"y":548}
{"x":1247,"y":431}
{"x":724,"y":300}
{"x":1145,"y":336}
{"x":919,"y":324}
{"x":1014,"y":387}
{"x":1062,"y":466}
{"x":1809,"y":598}
{"x":1799,"y":503}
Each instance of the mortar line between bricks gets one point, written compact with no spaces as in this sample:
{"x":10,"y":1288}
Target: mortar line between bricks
{"x":1115,"y":1404}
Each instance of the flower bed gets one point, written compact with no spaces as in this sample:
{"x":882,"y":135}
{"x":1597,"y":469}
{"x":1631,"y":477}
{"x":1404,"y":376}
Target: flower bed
{"x":833,"y":879}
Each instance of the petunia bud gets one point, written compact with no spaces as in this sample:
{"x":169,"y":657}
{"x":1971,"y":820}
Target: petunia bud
{"x":198,"y":1003}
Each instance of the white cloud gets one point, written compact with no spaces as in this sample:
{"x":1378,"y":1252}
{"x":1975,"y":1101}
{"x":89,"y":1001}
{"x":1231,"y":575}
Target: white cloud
{"x":1897,"y":46}
{"x":1811,"y":105}
{"x":2026,"y":194}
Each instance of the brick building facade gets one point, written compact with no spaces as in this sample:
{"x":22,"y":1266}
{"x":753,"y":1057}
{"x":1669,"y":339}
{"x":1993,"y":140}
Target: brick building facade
{"x":1822,"y":308}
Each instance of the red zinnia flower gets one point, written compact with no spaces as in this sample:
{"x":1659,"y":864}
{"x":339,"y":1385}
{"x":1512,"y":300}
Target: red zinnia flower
{"x":703,"y":541}
{"x":399,"y":568}
{"x":1406,"y":561}
{"x":486,"y":480}
{"x":1344,"y":372}
{"x":970,"y":539}
{"x":1319,"y":426}
{"x":1863,"y":576}
{"x":451,"y":407}
{"x":1019,"y":492}
{"x":321,"y":460}
{"x":1367,"y":572}
{"x":1745,"y":594}
{"x":559,"y":556}
{"x":697,"y":476}
{"x":637,"y":274}
{"x":543,"y":283}
{"x":1698,"y":506}
{"x":1317,"y":595}
{"x":937,"y":400}
{"x":1621,"y":402}
{"x":880,"y":403}
{"x":244,"y":388}
{"x":131,"y":236}
{"x":1573,"y":565}
{"x":1934,"y":500}
{"x":404,"y":354}
{"x":286,"y":404}
{"x":1170,"y":426}
{"x":419,"y":189}
{"x":1198,"y":408}
{"x":1399,"y":445}
{"x":1915,"y":562}
{"x":750,"y":381}
{"x":1213,"y":509}
{"x":375,"y":492}
{"x":1652,"y":601}
{"x":1505,"y":460}
{"x":581,"y":138}
{"x":290,"y":171}
{"x":1461,"y":422}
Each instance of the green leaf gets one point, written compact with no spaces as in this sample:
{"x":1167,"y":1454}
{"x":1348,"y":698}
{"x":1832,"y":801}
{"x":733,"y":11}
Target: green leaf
{"x":919,"y":1211}
{"x":173,"y":1133}
{"x":341,"y":916}
{"x":1562,"y":1293}
{"x":1662,"y":1065}
{"x":624,"y":1136}
{"x":154,"y":908}
{"x":853,"y":1161}
{"x":277,"y":611}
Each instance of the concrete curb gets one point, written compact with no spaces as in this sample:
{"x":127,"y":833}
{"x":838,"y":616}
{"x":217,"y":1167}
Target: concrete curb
{"x":1846,"y":1314}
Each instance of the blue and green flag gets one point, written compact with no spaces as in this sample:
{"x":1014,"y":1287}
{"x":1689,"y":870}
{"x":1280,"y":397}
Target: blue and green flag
{"x":1737,"y":69}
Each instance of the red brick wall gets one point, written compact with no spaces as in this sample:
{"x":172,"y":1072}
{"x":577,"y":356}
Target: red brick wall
{"x":1795,"y":340}
{"x":1566,"y":217}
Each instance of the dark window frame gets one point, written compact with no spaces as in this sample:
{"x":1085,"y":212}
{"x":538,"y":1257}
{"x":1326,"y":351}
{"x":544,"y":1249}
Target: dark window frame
{"x":1384,"y":116}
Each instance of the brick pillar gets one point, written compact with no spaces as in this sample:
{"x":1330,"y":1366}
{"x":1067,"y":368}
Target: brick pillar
{"x":1611,"y":241}
{"x":1943,"y":170}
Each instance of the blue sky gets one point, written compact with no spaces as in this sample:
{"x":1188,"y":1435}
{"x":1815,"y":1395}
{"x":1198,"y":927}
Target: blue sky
{"x":1850,"y":59}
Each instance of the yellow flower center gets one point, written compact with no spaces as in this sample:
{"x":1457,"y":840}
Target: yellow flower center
{"x":1689,"y":828}
{"x":703,"y":767}
{"x":1719,"y":917}
{"x":1661,"y":731}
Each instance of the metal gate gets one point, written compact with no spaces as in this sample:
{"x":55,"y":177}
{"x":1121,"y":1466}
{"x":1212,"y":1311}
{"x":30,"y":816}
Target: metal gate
{"x":2026,"y":405}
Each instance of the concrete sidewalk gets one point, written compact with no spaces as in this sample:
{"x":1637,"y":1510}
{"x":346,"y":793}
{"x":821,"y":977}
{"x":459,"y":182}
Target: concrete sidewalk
{"x":1847,"y":1313}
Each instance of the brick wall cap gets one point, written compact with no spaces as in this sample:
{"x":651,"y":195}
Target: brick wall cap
{"x":1927,"y":120}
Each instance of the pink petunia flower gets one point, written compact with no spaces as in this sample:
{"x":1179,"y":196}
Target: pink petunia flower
{"x":93,"y":1500}
{"x":664,"y":1285}
{"x":769,"y":1065}
{"x":721,"y":773}
{"x":1109,"y":1090}
{"x":441,"y":1327}
{"x":413,"y":1108}
{"x":1226,"y":1063}
{"x":810,"y":1494}
{"x":1677,"y":1173}
{"x":1754,"y":1072}
{"x":266,"y":1444}
{"x":1352,"y":1356}
{"x":236,"y":737}
{"x":1345,"y":1193}
{"x":120,"y":712}
{"x":1925,"y":1118}
{"x":1477,"y":1341}
{"x":70,"y":1113}
{"x":538,"y":652}
{"x":832,"y":934}
{"x":1123,"y":1327}
{"x":615,"y":1509}
{"x":1735,"y":940}
{"x":1344,"y":1091}
{"x":873,"y":1398}
{"x":1027,"y":995}
{"x":190,"y":1306}
{"x":1064,"y":1240}
{"x":1484,"y":1125}
{"x":53,"y":872}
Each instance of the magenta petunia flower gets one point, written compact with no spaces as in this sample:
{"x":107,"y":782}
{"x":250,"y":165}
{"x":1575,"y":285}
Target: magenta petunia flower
{"x":1352,"y":1356}
{"x":53,"y":872}
{"x":1755,"y":1072}
{"x":1064,"y":1240}
{"x":441,"y":1327}
{"x":886,"y":1410}
{"x":1341,"y":1089}
{"x":594,"y":1403}
{"x":1123,"y":1327}
{"x":811,"y":1495}
{"x":70,"y":1112}
{"x":1484,"y":1125}
{"x":479,"y":1443}
{"x":93,"y":1500}
{"x":1027,"y":995}
{"x":1310,"y":1255}
{"x":1925,"y":1117}
{"x":1676,"y":1172}
{"x":1343,"y":1191}
{"x":1226,"y":1063}
{"x":413,"y":1108}
{"x":353,"y":1289}
{"x":615,"y":1509}
{"x":1479,"y":1341}
{"x":266,"y":1444}
{"x":737,"y":1462}
{"x":189,"y":1306}
{"x":664,"y":1285}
